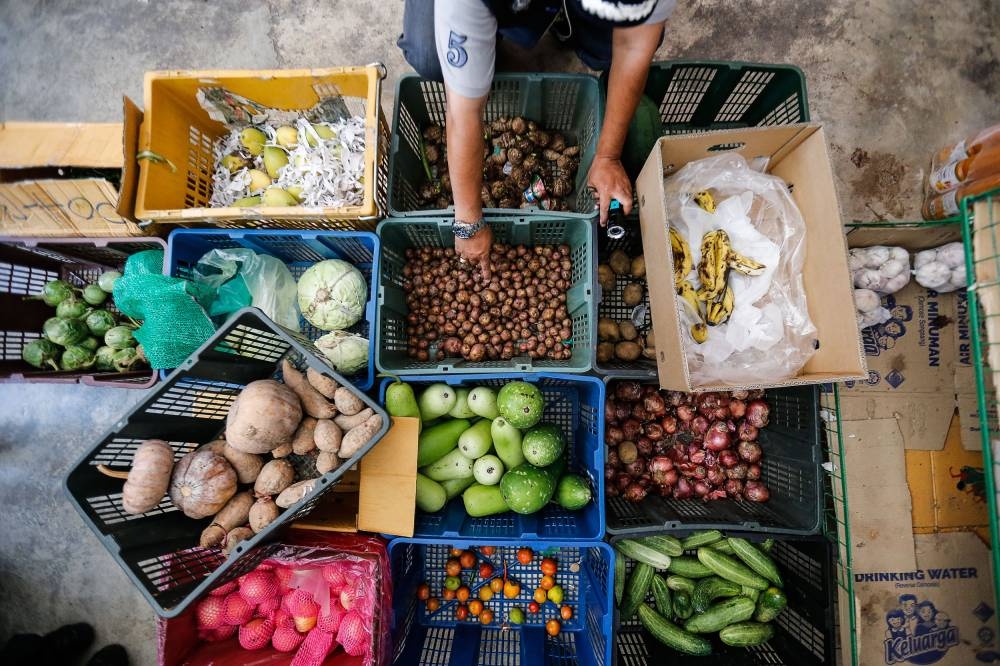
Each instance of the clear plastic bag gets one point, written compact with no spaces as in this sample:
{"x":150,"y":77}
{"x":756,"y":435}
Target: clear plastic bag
{"x":238,"y":272}
{"x":769,"y":336}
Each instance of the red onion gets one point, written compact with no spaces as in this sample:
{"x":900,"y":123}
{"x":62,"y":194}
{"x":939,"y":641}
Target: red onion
{"x":639,"y":412}
{"x":669,"y":424}
{"x":728,"y":458}
{"x":674,"y":398}
{"x":716,"y":476}
{"x":734,"y":488}
{"x":654,"y":404}
{"x":670,"y":478}
{"x":737,"y":408}
{"x":635,"y":493}
{"x":697,"y":456}
{"x":740,"y":394}
{"x":686,"y":468}
{"x":610,"y":471}
{"x":676,"y":452}
{"x":622,"y":481}
{"x":683,"y":489}
{"x":612,"y":457}
{"x":627,"y":452}
{"x":609,"y":410}
{"x":699,"y":425}
{"x":685,"y":413}
{"x":645,"y":481}
{"x":645,"y":447}
{"x":753,"y":472}
{"x":700,"y":472}
{"x":755,"y":491}
{"x":749,"y":452}
{"x":711,"y":460}
{"x":653,"y":430}
{"x":717,"y":494}
{"x":755,"y":394}
{"x":660,"y":464}
{"x":737,"y":471}
{"x":649,"y":388}
{"x":664,"y":490}
{"x":628,"y":391}
{"x":632,"y":428}
{"x":717,"y":437}
{"x":611,"y":490}
{"x":614,"y":435}
{"x":636,"y":468}
{"x":746,"y":432}
{"x":758,"y":413}
{"x":622,"y":412}
{"x":701,"y":488}
{"x":720,"y":413}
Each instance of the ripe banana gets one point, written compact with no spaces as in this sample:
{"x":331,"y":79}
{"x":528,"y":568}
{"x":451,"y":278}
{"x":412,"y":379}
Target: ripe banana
{"x":705,"y":201}
{"x":718,"y":311}
{"x":699,"y":332}
{"x":713,"y":266}
{"x":687,"y":293}
{"x":682,"y":256}
{"x":745,"y":265}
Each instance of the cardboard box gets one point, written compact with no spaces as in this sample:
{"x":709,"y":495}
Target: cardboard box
{"x":37,"y":200}
{"x":381,"y":496}
{"x":798,"y":154}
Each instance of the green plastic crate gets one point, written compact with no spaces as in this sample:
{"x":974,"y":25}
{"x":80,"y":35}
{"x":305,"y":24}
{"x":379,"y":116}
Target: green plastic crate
{"x":396,"y":235}
{"x":567,"y":103}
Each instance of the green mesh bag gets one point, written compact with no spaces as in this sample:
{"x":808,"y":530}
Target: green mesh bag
{"x":172,"y":312}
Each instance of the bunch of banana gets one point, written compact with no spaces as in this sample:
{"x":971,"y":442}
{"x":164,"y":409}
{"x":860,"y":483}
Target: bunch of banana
{"x":717,"y":258}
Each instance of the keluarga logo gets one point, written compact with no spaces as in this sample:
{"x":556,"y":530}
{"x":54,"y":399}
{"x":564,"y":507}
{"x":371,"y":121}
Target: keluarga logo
{"x":924,"y":649}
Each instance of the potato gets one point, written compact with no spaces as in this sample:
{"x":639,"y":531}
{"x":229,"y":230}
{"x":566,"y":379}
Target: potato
{"x":632,"y":294}
{"x":274,"y":477}
{"x":605,"y":277}
{"x":283,"y":451}
{"x":263,"y":417}
{"x":263,"y":512}
{"x":620,"y":263}
{"x":638,"y":268}
{"x":347,"y":403}
{"x":628,"y":330}
{"x":328,"y":436}
{"x":607,"y":330}
{"x":149,"y":477}
{"x":304,"y":439}
{"x":605,"y":352}
{"x":357,"y":437}
{"x":247,"y":465}
{"x":234,"y":537}
{"x":627,"y":351}
{"x":295,"y":493}
{"x":347,"y":422}
{"x":325,"y":385}
{"x":327,"y":461}
{"x":313,"y":402}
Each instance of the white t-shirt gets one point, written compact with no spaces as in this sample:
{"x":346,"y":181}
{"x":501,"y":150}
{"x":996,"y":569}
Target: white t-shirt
{"x":466,"y":35}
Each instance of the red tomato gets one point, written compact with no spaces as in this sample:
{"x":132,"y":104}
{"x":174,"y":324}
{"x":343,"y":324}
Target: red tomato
{"x":487,"y":550}
{"x":423,"y":592}
{"x":475,"y":607}
{"x":496,"y":584}
{"x":486,"y":617}
{"x":524,"y":555}
{"x":552,"y":627}
{"x":453,"y":567}
{"x":485,"y":570}
{"x":461,"y":612}
{"x":549,"y":566}
{"x":566,"y":612}
{"x":433,"y":604}
{"x":467,"y":559}
{"x":533,"y":607}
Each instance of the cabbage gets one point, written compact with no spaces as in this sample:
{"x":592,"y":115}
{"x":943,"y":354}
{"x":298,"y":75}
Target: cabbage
{"x":346,"y":352}
{"x":332,"y":295}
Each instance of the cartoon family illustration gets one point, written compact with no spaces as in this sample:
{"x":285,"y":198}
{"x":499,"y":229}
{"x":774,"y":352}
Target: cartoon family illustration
{"x":914,"y":618}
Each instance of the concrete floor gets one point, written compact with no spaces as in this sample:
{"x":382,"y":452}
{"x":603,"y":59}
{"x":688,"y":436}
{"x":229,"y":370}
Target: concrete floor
{"x":891,"y":79}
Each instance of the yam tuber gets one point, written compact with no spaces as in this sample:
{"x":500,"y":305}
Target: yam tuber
{"x":303,"y":441}
{"x":347,"y":403}
{"x":263,"y":512}
{"x":325,"y":385}
{"x":327,"y":461}
{"x":149,"y":477}
{"x":313,"y":402}
{"x":274,"y":477}
{"x":294,"y":493}
{"x":357,"y":437}
{"x":328,"y":436}
{"x":235,"y":537}
{"x":348,"y":422}
{"x":263,"y":417}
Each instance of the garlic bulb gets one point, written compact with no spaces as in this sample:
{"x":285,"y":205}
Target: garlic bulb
{"x":899,"y":254}
{"x":881,"y":268}
{"x":924,"y":257}
{"x":866,"y":300}
{"x":892,"y":268}
{"x":876,"y":256}
{"x":951,"y":255}
{"x":855,"y":261}
{"x":894,"y":284}
{"x":933,"y":275}
{"x":868,"y":278}
{"x":958,"y":277}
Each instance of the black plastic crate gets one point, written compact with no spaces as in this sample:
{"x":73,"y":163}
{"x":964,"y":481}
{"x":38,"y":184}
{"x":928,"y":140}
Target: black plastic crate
{"x":791,"y":468}
{"x":159,"y":549}
{"x":805,"y":632}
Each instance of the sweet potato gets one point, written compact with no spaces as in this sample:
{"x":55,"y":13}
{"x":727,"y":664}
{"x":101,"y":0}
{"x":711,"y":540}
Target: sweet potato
{"x":263,"y":417}
{"x":149,"y":477}
{"x":235,"y":513}
{"x":313,"y":402}
{"x":212,"y":536}
{"x":283,"y":451}
{"x":347,"y":403}
{"x":263,"y":512}
{"x":357,"y":437}
{"x":347,"y":422}
{"x":303,"y":441}
{"x":327,"y":461}
{"x":328,"y":436}
{"x":247,"y":465}
{"x":325,"y":385}
{"x":235,"y":536}
{"x":274,"y":477}
{"x":295,"y":493}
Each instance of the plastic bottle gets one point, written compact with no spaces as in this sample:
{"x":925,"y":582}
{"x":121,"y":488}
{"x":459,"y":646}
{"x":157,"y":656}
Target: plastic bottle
{"x":975,"y":167}
{"x":948,"y":204}
{"x":967,"y":147}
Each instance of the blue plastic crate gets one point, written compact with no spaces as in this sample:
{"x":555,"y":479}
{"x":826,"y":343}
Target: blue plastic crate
{"x":576,"y":404}
{"x":299,"y":250}
{"x":586,"y":572}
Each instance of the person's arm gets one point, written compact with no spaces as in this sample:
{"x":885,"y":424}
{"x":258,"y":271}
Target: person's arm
{"x":632,"y":51}
{"x":464,"y":124}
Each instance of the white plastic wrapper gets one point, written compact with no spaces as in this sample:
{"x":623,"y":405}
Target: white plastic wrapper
{"x":271,"y":285}
{"x":884,"y":270}
{"x":941,"y":269}
{"x":769,"y":336}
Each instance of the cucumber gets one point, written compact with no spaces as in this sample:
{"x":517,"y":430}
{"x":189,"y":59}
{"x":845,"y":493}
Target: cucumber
{"x":750,"y":593}
{"x":543,"y":444}
{"x":723,"y":547}
{"x":664,"y":543}
{"x":400,"y":400}
{"x":436,"y":400}
{"x":507,"y":442}
{"x":461,"y":409}
{"x":671,"y":635}
{"x":483,"y":500}
{"x":731,"y":569}
{"x":438,"y":440}
{"x":619,"y":578}
{"x":758,"y":562}
{"x":488,"y":470}
{"x":709,"y":589}
{"x":661,"y":595}
{"x":682,"y":605}
{"x":633,"y":549}
{"x":746,"y":634}
{"x":688,"y":567}
{"x":527,"y":489}
{"x":455,"y":487}
{"x":636,"y":588}
{"x":431,"y":496}
{"x":699,"y":539}
{"x":453,"y":466}
{"x":770,"y":604}
{"x":721,"y":615}
{"x":680,"y":584}
{"x":573,"y":492}
{"x":476,"y":441}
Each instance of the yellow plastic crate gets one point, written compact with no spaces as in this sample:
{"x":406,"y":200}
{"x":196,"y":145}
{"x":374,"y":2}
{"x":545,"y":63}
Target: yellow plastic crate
{"x":175,"y":127}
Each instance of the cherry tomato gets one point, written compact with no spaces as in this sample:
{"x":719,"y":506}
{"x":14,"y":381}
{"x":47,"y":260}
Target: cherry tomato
{"x":556,"y":595}
{"x":423,"y":592}
{"x":549,"y":566}
{"x":539,"y":596}
{"x":467,"y":559}
{"x":455,"y":552}
{"x":485,"y":570}
{"x":485,"y":593}
{"x":552,"y":627}
{"x":448,"y":595}
{"x":524,"y":555}
{"x":496,"y":585}
{"x":566,"y":612}
{"x":433,"y":604}
{"x":453,"y":567}
{"x":461,"y":612}
{"x":475,"y":607}
{"x":511,"y":589}
{"x":486,"y":617}
{"x":547,"y":582}
{"x":463,"y":593}
{"x":487,"y":550}
{"x":452,"y":583}
{"x":533,"y":607}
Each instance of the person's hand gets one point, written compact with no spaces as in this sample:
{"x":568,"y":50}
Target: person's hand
{"x":476,"y":250}
{"x":607,"y":177}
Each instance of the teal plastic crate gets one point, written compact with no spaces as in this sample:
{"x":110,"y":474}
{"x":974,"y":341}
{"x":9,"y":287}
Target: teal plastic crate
{"x":568,"y":103}
{"x":396,"y":235}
